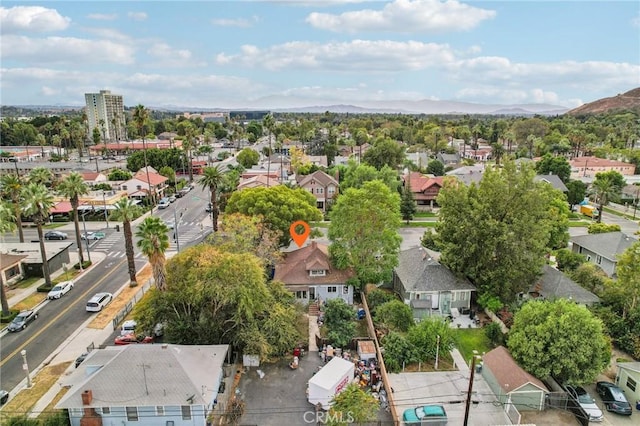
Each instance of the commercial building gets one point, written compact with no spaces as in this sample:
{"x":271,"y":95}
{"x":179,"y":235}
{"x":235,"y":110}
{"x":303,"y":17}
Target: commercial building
{"x":106,"y":112}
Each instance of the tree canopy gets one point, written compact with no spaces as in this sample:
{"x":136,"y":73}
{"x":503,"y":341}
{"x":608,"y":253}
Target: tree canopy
{"x":496,"y":233}
{"x":279,"y":206}
{"x":550,"y":165}
{"x":364,"y":231}
{"x":248,"y":157}
{"x":384,"y":152}
{"x":559,"y":339}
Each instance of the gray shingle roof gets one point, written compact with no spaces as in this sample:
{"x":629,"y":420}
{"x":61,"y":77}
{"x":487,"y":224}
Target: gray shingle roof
{"x":607,"y":245}
{"x":553,"y":284}
{"x":147,"y":375}
{"x":418,"y":272}
{"x":553,"y":180}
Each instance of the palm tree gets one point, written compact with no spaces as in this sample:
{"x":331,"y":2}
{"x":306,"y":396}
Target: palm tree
{"x":72,"y":187}
{"x":41,"y":176}
{"x":604,"y":188}
{"x":140,"y":117}
{"x":38,"y":202}
{"x":7,"y":224}
{"x":269,"y":123}
{"x":42,"y":141}
{"x":211,"y":179}
{"x":11,"y":188}
{"x":153,"y":242}
{"x":126,"y":211}
{"x":187,"y":146}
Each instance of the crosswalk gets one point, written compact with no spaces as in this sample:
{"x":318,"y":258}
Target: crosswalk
{"x":113,"y":244}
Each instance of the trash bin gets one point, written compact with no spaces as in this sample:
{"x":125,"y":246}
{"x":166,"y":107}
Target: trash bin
{"x":117,"y":228}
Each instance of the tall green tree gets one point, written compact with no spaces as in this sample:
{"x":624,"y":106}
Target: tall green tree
{"x":628,"y":271}
{"x":72,"y":187}
{"x":408,"y":206}
{"x":577,"y":191}
{"x":11,"y":188}
{"x":7,"y":224}
{"x":38,"y":202}
{"x":248,"y":157}
{"x":127,"y":211}
{"x":496,"y":233}
{"x":364,"y":231}
{"x":154,"y":242}
{"x":559,"y":339}
{"x":41,"y":176}
{"x":550,"y":165}
{"x":384,"y":152}
{"x":279,"y":207}
{"x":353,"y":406}
{"x":269,"y":123}
{"x":141,"y":119}
{"x":355,"y":175}
{"x":607,"y":187}
{"x":436,"y":168}
{"x":212,"y":179}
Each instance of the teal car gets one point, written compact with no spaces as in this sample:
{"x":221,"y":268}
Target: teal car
{"x":426,"y":414}
{"x":93,"y":236}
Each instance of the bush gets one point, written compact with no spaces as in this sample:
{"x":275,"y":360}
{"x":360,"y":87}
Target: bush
{"x":44,"y":288}
{"x":430,"y":240}
{"x":494,"y":334}
{"x":379,"y":297}
{"x":85,"y":265}
{"x":10,"y":317}
{"x":568,"y":260}
{"x":490,"y":302}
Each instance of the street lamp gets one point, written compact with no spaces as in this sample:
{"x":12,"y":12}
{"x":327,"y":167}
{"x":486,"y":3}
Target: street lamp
{"x":104,"y":202}
{"x":25,"y":366}
{"x":86,"y":240}
{"x":175,"y":228}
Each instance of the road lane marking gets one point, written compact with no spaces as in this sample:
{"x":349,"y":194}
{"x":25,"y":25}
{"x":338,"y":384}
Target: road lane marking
{"x":64,"y":311}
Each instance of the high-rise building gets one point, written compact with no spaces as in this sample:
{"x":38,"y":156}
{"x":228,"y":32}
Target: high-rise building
{"x":106,"y":112}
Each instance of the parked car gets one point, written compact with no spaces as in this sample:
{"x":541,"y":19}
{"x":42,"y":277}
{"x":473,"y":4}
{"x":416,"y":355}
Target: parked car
{"x":208,"y":208}
{"x":21,"y":320}
{"x":164,"y":203}
{"x":172,"y":199}
{"x":99,"y":301}
{"x":93,"y":235}
{"x":4,"y":397}
{"x":613,"y":398}
{"x":60,"y":290}
{"x":81,"y":358}
{"x":55,"y":235}
{"x":587,"y":403}
{"x":426,"y":414}
{"x":128,"y":327}
{"x":132,"y":338}
{"x":170,"y":224}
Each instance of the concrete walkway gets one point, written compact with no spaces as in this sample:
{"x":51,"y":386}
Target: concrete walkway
{"x":459,"y":361}
{"x":313,"y":331}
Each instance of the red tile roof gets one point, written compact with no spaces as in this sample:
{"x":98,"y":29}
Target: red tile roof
{"x":61,"y":207}
{"x":420,"y":182}
{"x":297,"y":264}
{"x":154,"y":179}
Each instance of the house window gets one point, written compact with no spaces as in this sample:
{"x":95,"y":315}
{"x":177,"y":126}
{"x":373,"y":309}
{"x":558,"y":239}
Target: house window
{"x":332,"y":190}
{"x":319,"y":190}
{"x":598,"y":259}
{"x":301,"y":294}
{"x":588,"y":258}
{"x":159,"y":410}
{"x":132,"y":414}
{"x":186,"y":412}
{"x":345,"y":289}
{"x":12,"y":272}
{"x":317,"y":273}
{"x":124,"y":187}
{"x":139,"y":187}
{"x":332,"y":289}
{"x":106,"y":410}
{"x":631,"y":384}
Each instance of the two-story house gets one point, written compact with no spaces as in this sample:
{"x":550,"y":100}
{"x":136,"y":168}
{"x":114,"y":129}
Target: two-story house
{"x":602,"y":249}
{"x":309,"y":275}
{"x":146,"y":385}
{"x":425,"y":189}
{"x":323,"y":186}
{"x":143,"y":183}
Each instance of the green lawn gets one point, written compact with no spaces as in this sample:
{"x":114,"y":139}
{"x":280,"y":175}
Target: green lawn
{"x":578,"y":224}
{"x":470,"y":339}
{"x":425,"y":214}
{"x":418,"y":224}
{"x":27,"y":282}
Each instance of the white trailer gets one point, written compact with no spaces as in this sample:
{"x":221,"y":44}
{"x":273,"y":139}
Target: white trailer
{"x":332,"y":379}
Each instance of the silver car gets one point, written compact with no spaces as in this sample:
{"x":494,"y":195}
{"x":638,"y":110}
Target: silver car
{"x":60,"y":290}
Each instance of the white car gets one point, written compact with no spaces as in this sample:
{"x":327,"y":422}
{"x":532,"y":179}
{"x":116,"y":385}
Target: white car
{"x":60,"y":290}
{"x":164,"y":203}
{"x":585,"y":400}
{"x":99,"y":301}
{"x":128,"y":327}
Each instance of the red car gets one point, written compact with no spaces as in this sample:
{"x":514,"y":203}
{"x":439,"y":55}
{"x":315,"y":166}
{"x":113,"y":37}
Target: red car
{"x":132,"y":338}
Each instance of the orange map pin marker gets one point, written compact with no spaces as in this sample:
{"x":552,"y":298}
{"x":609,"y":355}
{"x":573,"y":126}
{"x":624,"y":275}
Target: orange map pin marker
{"x":299,"y":239}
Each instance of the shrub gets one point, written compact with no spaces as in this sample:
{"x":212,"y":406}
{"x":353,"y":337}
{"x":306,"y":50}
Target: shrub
{"x":10,"y":317}
{"x":568,"y":260}
{"x":494,"y":334}
{"x":490,"y":302}
{"x":44,"y":288}
{"x":85,"y":265}
{"x":378,"y":297}
{"x":430,"y":240}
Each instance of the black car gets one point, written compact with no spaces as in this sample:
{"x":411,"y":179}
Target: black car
{"x":21,"y":320}
{"x":4,"y":397}
{"x":613,"y":398}
{"x":81,"y":358}
{"x":55,"y":235}
{"x":208,"y":208}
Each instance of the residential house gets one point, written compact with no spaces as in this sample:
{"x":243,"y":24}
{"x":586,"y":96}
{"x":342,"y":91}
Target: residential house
{"x":323,"y":186}
{"x":554,"y":284}
{"x":57,"y":254}
{"x":429,"y":287}
{"x":318,"y":160}
{"x":93,"y":178}
{"x":340,"y":160}
{"x":481,"y":154}
{"x":511,"y":384}
{"x":552,"y":180}
{"x":468,"y":174}
{"x":11,"y":267}
{"x":425,"y":189}
{"x":628,"y":379}
{"x":259,"y":181}
{"x":309,"y":275}
{"x":275,"y":173}
{"x":146,"y":385}
{"x":143,"y":183}
{"x":590,"y":166}
{"x":448,"y":159}
{"x":419,"y":159}
{"x":124,"y":147}
{"x":603,"y":249}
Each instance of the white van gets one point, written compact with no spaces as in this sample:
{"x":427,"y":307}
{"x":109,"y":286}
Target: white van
{"x":99,"y":301}
{"x":128,"y":327}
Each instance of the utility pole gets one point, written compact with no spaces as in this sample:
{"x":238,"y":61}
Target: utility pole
{"x":470,"y":390}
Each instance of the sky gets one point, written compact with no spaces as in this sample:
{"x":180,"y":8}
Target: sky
{"x":256,"y":54}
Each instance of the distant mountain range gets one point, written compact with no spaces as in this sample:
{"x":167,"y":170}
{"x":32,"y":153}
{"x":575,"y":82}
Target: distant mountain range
{"x":629,"y":100}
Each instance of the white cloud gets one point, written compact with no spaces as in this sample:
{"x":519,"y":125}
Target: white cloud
{"x":49,"y":91}
{"x":137,"y":16}
{"x":169,"y":57}
{"x":65,"y":50}
{"x":405,"y":16}
{"x":355,"y":55}
{"x":103,"y":16}
{"x":31,"y":19}
{"x":108,"y":34}
{"x":237,"y":22}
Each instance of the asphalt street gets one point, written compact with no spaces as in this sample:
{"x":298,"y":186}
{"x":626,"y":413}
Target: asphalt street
{"x":58,"y":319}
